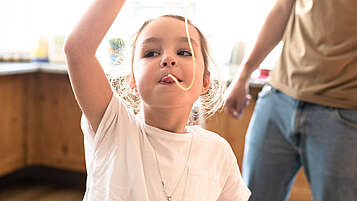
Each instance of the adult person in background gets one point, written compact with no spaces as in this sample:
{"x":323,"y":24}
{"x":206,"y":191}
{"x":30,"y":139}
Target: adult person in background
{"x":307,"y":113}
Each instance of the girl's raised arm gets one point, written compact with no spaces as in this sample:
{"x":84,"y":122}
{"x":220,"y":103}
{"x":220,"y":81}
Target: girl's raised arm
{"x":89,"y":82}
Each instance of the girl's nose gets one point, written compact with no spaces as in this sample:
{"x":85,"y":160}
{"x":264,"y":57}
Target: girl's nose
{"x":168,"y":61}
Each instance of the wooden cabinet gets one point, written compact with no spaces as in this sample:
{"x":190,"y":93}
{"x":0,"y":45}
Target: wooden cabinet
{"x":234,"y":132}
{"x":56,"y":139}
{"x":39,"y":123}
{"x":12,"y":123}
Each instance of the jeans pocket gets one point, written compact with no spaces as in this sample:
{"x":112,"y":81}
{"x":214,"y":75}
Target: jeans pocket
{"x":347,"y":116}
{"x":266,"y":91}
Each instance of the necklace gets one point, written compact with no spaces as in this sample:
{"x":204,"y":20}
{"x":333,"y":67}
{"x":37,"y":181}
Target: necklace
{"x":166,"y":193}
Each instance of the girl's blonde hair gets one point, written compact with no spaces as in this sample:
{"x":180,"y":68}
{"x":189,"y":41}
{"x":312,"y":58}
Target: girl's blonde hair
{"x":206,"y":105}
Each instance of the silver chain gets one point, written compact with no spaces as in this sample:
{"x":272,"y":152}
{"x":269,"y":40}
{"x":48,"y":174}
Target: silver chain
{"x":167,"y":195}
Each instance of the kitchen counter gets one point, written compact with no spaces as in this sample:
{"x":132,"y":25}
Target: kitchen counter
{"x":10,"y":68}
{"x":13,"y":68}
{"x":40,"y":119}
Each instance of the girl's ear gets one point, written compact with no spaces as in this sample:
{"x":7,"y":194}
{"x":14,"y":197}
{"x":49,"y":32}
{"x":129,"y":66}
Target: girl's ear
{"x":206,"y":82}
{"x":132,"y":85}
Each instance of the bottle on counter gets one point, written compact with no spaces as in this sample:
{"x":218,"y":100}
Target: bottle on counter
{"x":41,"y":52}
{"x":55,"y":51}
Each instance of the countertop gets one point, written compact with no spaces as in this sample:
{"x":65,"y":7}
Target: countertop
{"x":13,"y":68}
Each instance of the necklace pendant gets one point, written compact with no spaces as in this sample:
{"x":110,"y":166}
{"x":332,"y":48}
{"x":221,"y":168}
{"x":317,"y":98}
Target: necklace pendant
{"x":169,"y":198}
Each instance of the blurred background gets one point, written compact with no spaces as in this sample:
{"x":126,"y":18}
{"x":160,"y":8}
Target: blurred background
{"x":227,"y":24}
{"x":41,"y":143}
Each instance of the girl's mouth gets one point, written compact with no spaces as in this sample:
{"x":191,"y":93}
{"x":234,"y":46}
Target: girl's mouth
{"x":168,"y":80}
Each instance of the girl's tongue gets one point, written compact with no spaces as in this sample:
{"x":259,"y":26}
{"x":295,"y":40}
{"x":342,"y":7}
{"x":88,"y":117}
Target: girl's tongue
{"x":168,"y":80}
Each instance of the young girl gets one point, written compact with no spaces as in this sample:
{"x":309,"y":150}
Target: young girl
{"x":153,"y":156}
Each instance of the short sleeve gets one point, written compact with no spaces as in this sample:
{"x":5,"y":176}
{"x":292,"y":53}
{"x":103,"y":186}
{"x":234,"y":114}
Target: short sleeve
{"x":111,"y":152}
{"x":234,"y":189}
{"x":114,"y":119}
{"x":89,"y":135}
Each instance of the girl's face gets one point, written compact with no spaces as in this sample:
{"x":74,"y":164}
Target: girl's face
{"x":161,"y":49}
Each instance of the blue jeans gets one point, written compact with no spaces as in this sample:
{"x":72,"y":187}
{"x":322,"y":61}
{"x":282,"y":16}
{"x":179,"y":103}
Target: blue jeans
{"x":285,"y":134}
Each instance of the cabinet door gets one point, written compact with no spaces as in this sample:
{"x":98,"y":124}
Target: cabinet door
{"x":57,"y":139}
{"x":12,"y":123}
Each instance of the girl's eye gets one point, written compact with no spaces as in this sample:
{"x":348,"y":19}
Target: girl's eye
{"x":151,"y":53}
{"x":184,"y":53}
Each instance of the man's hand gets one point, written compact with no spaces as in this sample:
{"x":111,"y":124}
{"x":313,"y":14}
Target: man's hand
{"x":237,"y":98}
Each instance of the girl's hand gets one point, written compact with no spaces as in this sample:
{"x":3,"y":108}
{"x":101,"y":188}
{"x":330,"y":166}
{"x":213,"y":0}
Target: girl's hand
{"x":237,"y":98}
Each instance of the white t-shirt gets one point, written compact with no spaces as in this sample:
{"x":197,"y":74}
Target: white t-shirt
{"x":121,"y":162}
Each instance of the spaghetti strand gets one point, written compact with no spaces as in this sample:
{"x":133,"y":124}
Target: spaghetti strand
{"x":192,"y":53}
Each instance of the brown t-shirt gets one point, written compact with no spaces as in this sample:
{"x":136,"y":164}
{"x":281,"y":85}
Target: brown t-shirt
{"x":318,"y":63}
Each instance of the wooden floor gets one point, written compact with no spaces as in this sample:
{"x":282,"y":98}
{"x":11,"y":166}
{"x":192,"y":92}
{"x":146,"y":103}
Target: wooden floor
{"x":40,"y":192}
{"x":46,"y":184}
{"x":42,"y":184}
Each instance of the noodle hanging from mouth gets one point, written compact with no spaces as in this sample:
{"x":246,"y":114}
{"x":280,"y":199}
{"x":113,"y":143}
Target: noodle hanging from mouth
{"x":192,"y":53}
